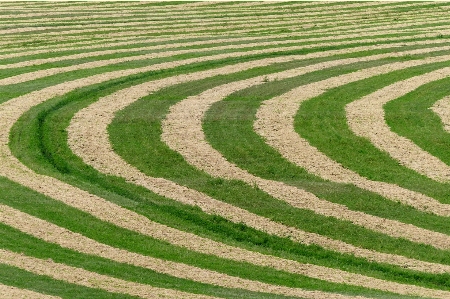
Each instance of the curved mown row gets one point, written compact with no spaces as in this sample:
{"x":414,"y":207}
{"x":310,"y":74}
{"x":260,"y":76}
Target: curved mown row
{"x":224,"y":150}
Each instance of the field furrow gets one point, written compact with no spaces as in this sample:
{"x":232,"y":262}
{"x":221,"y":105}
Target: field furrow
{"x":224,"y":150}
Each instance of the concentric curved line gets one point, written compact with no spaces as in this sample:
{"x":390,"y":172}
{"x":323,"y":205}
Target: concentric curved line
{"x":54,"y":234}
{"x":88,"y":139}
{"x":183,"y":133}
{"x":442,"y":109}
{"x":99,"y":206}
{"x":275,"y":122}
{"x":365,"y":118}
{"x":89,"y":279}
{"x":359,"y":21}
{"x":94,"y":205}
{"x":53,"y":71}
{"x":8,"y":292}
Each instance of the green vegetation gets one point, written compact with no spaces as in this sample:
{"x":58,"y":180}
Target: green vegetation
{"x":39,"y":138}
{"x":410,"y":116}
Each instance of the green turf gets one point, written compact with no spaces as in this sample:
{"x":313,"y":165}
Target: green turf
{"x":94,"y":179}
{"x":411,"y":116}
{"x":39,"y":140}
{"x":322,"y":122}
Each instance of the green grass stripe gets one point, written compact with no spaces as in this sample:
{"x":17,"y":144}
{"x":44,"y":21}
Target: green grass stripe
{"x":39,"y":138}
{"x":322,"y":122}
{"x":228,"y":127}
{"x":22,"y":279}
{"x":69,"y":171}
{"x":143,"y":157}
{"x":47,"y":208}
{"x":139,"y":46}
{"x":415,"y":120}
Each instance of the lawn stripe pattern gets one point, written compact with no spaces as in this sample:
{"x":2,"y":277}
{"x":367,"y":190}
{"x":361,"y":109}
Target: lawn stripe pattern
{"x":199,"y":224}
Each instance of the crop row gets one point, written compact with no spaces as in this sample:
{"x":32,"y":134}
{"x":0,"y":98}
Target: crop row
{"x":224,"y":150}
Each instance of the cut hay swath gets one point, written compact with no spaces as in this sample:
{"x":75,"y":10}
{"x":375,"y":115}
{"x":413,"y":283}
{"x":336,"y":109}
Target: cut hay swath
{"x":224,"y":150}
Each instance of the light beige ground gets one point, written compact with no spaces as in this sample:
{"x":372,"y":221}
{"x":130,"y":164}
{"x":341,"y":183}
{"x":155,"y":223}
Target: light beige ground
{"x":54,"y":234}
{"x":8,"y":292}
{"x":182,"y":132}
{"x":365,"y":117}
{"x":87,"y":137}
{"x":442,"y":109}
{"x":100,"y":208}
{"x":89,"y":279}
{"x":275,"y":122}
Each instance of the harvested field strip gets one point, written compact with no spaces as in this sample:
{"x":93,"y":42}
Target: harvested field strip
{"x":288,"y":44}
{"x":88,"y":141}
{"x":387,"y":169}
{"x":88,"y":279}
{"x":221,"y":123}
{"x":179,"y":14}
{"x":34,"y":247}
{"x":235,"y":29}
{"x":428,"y":113}
{"x":442,"y":108}
{"x":366,"y":119}
{"x":65,"y":238}
{"x":315,"y":30}
{"x":28,"y":59}
{"x":7,"y":292}
{"x":148,"y":221}
{"x":33,"y":75}
{"x":267,"y":46}
{"x":280,"y":264}
{"x":78,"y":39}
{"x":278,"y":130}
{"x":182,"y":132}
{"x":199,"y":20}
{"x":77,"y":97}
{"x":41,"y":186}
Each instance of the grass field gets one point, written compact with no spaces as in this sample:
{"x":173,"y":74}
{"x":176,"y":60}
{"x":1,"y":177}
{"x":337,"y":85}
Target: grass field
{"x":224,"y":150}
